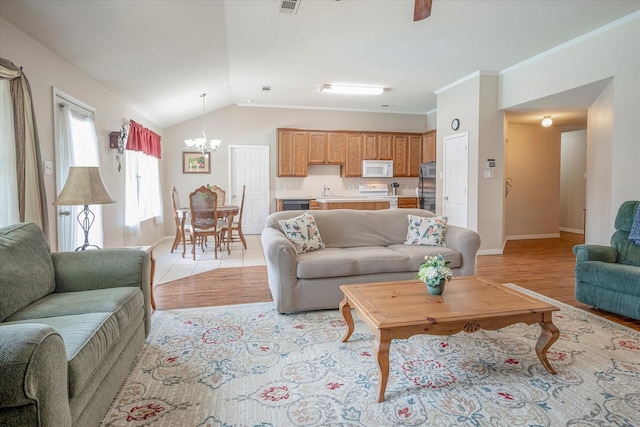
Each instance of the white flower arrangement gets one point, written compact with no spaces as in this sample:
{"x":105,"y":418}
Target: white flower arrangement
{"x":434,"y":269}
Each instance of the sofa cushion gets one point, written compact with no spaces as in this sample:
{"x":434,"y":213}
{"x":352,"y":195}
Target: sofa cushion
{"x":612,"y":276}
{"x":26,"y":270}
{"x":427,"y":231}
{"x":338,"y":262}
{"x":303,"y":232}
{"x":87,"y":340}
{"x":126,"y":303}
{"x":416,"y":254}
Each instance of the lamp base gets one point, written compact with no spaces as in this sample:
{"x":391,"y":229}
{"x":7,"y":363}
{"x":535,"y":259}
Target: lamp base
{"x":85,"y":224}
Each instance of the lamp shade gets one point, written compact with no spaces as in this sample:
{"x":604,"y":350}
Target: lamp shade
{"x":84,"y":186}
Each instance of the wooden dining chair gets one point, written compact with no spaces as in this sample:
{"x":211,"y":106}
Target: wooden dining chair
{"x":180,"y":233}
{"x":203,"y":204}
{"x":220,"y":192}
{"x":236,"y":225}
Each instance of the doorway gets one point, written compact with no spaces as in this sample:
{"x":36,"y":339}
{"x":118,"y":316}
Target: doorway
{"x":456,"y":181}
{"x":76,"y":144}
{"x":249,"y":165}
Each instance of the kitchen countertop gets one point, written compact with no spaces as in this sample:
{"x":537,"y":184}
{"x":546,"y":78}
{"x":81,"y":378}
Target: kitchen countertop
{"x":337,"y":197}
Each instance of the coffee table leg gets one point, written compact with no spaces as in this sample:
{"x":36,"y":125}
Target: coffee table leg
{"x":345,"y":309}
{"x":381,"y":350}
{"x":548,"y":336}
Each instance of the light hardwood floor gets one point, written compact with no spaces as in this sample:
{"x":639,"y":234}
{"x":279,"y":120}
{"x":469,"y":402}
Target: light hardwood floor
{"x":544,"y":266}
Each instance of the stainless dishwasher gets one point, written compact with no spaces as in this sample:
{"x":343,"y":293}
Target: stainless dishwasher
{"x":295,"y":205}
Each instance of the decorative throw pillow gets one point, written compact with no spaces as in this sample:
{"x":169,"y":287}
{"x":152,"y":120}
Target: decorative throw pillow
{"x":426,"y":231}
{"x":302,"y":232}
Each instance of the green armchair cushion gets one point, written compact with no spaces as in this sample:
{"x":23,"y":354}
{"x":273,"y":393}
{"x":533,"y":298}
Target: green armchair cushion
{"x":20,"y":286}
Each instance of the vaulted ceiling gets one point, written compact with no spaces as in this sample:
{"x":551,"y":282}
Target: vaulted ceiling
{"x":159,"y":56}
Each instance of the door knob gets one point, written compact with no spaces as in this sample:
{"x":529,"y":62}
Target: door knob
{"x":446,"y":197}
{"x":65,"y":213}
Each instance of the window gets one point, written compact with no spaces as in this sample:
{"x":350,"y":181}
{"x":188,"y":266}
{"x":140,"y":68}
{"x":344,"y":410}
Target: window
{"x":144,"y":185}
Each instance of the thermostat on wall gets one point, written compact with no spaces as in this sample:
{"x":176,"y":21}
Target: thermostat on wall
{"x":491,"y":163}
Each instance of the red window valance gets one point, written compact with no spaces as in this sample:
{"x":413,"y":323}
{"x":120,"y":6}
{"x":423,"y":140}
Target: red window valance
{"x":142,"y":139}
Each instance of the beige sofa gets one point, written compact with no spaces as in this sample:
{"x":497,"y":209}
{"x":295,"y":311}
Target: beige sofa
{"x":360,"y":247}
{"x":71,"y":326}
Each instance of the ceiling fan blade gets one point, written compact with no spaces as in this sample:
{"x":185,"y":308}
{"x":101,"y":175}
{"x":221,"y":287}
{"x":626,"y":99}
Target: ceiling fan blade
{"x":422,"y":10}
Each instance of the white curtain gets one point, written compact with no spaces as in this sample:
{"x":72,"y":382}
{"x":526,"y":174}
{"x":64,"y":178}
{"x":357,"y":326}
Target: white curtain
{"x":9,"y":212}
{"x":96,"y":233}
{"x":131,"y":207}
{"x":67,"y":224}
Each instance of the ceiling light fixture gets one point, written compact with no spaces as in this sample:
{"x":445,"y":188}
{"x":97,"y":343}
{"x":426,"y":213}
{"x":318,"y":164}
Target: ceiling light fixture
{"x":546,"y":121}
{"x":352,"y":90}
{"x":201,"y":144}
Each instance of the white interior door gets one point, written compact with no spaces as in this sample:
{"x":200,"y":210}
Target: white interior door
{"x":456,"y":181}
{"x":249,"y":165}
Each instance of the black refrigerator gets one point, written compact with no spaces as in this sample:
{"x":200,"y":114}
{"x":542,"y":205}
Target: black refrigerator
{"x":427,"y":186}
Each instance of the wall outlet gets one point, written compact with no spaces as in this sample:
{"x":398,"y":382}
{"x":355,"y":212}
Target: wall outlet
{"x":48,"y":167}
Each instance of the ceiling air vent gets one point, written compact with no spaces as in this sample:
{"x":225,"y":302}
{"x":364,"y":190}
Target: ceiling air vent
{"x":289,"y":6}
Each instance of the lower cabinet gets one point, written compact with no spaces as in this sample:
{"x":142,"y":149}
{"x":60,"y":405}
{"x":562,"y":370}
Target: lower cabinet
{"x":407,"y":202}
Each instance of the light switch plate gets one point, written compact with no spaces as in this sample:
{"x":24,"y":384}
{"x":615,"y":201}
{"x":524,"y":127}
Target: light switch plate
{"x":48,"y":167}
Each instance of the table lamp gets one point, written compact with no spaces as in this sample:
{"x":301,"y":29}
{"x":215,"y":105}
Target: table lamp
{"x":84,"y":186}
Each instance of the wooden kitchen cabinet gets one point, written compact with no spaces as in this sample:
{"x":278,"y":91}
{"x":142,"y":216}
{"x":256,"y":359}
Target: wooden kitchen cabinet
{"x":407,"y":202}
{"x":413,"y":155}
{"x":317,"y":148}
{"x":293,"y":152}
{"x":353,"y":156}
{"x":336,"y":143}
{"x":326,"y":148}
{"x":354,"y":205}
{"x":314,"y":205}
{"x":400,"y":155}
{"x":377,"y":146}
{"x":429,"y":146}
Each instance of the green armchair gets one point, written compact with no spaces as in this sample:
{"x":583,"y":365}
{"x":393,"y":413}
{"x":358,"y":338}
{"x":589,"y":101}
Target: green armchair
{"x":608,"y":277}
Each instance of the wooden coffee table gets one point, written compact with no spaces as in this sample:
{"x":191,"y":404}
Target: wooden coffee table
{"x":401,"y":309}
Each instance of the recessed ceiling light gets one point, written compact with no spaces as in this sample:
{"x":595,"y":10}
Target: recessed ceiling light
{"x":352,"y":90}
{"x":546,"y":121}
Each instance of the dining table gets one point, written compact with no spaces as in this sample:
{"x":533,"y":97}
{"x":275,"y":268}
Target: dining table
{"x":222,"y":211}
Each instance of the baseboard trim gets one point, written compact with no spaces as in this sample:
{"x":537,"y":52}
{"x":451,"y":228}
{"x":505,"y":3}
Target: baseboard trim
{"x":534,"y":236}
{"x":490,"y":252}
{"x":572,"y":230}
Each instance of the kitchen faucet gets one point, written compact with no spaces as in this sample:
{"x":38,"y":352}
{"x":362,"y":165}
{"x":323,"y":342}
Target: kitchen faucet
{"x":324,"y":190}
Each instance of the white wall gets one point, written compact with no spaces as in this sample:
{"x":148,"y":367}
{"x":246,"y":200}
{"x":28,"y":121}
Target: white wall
{"x":612,"y":164}
{"x":44,"y":70}
{"x":474,"y":100}
{"x":236,"y":125}
{"x":533,"y":204}
{"x":573,"y":160}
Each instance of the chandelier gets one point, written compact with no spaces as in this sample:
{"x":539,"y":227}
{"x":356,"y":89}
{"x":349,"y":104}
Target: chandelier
{"x":201,"y":144}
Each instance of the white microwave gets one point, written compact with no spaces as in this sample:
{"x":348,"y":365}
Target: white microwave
{"x":377,"y":168}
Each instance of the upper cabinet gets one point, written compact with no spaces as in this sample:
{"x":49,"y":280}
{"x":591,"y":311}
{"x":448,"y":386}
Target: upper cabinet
{"x":429,"y":146}
{"x":326,"y":148}
{"x":293,"y":152}
{"x":299,"y":148}
{"x":353,"y":156}
{"x":377,"y":146}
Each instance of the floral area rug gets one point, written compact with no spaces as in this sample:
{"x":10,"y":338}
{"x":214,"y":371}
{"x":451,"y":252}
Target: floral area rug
{"x":247,"y":365}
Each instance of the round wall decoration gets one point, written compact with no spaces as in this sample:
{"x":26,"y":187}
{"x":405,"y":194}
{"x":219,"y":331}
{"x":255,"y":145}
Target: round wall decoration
{"x":455,"y":124}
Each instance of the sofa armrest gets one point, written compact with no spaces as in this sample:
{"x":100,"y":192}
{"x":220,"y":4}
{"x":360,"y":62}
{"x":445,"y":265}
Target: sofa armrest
{"x":595,"y":253}
{"x":33,"y":384}
{"x":281,"y":259}
{"x":467,"y":242}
